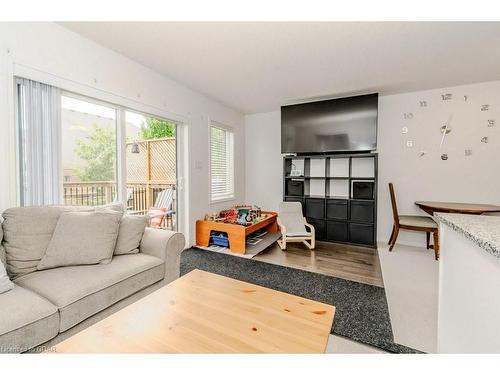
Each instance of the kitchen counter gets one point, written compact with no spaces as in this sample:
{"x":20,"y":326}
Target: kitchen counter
{"x":482,"y":230}
{"x":469,"y":276}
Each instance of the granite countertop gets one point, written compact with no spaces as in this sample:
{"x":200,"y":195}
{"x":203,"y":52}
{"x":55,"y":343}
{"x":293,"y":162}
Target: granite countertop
{"x":483,"y":230}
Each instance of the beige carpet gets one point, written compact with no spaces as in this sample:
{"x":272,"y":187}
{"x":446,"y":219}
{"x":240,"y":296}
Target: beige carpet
{"x":411,"y":287}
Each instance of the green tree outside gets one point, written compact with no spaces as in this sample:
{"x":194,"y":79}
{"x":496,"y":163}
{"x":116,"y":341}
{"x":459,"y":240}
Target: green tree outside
{"x":99,"y":151}
{"x":154,"y":128}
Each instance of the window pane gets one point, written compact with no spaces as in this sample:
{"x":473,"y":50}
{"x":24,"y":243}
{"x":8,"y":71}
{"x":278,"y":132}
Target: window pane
{"x":221,"y":164}
{"x":151,"y":168}
{"x":88,"y":152}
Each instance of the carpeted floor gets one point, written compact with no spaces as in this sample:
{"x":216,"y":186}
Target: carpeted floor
{"x":361,"y":310}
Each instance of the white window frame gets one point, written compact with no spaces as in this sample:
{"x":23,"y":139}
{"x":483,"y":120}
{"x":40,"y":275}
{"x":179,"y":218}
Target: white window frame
{"x":230,"y":130}
{"x":120,"y":171}
{"x":84,"y":90}
{"x":121,"y":148}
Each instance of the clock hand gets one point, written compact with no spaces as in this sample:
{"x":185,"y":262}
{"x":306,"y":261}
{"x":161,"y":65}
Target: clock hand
{"x":445,"y":131}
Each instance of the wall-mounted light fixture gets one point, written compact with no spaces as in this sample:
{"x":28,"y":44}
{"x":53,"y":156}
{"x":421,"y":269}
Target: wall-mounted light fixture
{"x":135,"y":148}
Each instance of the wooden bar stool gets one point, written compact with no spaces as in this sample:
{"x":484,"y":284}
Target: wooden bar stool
{"x":415,"y":223}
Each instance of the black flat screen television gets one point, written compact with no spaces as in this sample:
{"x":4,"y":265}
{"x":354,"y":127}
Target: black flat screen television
{"x":335,"y":125}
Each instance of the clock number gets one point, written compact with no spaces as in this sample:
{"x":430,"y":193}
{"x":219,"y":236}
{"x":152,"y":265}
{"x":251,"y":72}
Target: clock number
{"x":444,"y":156}
{"x":446,"y":96}
{"x":491,"y":123}
{"x":468,"y":152}
{"x":465,"y":98}
{"x":408,"y":116}
{"x":445,"y":129}
{"x":423,"y":103}
{"x":485,"y":107}
{"x":484,"y":139}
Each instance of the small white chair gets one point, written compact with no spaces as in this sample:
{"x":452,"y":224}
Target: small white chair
{"x":293,"y":226}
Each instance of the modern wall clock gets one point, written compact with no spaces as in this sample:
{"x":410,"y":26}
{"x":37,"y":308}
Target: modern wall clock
{"x":450,"y":108}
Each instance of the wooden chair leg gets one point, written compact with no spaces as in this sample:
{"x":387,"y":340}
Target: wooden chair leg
{"x":282,"y":243}
{"x":436,"y":245}
{"x":394,"y":238}
{"x":392,"y":235}
{"x":428,"y":238}
{"x":310,"y":245}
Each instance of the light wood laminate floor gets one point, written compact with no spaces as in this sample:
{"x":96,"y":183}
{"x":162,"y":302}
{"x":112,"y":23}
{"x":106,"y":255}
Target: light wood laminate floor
{"x":347,"y":262}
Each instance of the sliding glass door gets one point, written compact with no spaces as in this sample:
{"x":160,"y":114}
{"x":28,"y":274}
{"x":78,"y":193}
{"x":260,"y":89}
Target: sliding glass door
{"x":77,"y":150}
{"x":88,"y":152}
{"x":151,"y":167}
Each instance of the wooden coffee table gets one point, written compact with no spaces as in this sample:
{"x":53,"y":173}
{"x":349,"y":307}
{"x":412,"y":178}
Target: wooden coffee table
{"x":206,"y":313}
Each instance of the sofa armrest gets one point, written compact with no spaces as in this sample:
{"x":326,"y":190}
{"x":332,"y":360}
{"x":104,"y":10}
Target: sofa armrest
{"x":166,"y":245}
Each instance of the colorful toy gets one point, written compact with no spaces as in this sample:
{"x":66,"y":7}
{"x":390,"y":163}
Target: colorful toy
{"x":242,"y":215}
{"x":231,"y":216}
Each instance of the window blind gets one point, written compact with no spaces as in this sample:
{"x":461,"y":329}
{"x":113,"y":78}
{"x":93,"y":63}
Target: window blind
{"x":221,"y":163}
{"x":39,"y":121}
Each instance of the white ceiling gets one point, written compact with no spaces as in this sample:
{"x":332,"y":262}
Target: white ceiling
{"x":257,"y":67}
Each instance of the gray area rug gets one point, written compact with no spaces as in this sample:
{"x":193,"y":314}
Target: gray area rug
{"x":361,"y":310}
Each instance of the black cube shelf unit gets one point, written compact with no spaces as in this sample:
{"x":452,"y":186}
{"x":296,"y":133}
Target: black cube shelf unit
{"x":325,"y":189}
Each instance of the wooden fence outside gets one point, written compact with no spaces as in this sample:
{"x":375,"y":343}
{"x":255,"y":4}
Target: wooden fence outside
{"x":149,"y":171}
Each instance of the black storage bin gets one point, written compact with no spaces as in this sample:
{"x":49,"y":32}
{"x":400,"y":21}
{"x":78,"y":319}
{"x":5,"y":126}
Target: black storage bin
{"x":319,"y":228}
{"x":362,"y":211}
{"x":295,"y":187}
{"x":362,"y":189}
{"x":337,"y":231}
{"x":336,"y":209}
{"x":315,"y":208}
{"x":361,"y":233}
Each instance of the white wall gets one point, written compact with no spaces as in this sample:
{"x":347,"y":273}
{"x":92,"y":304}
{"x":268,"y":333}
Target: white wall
{"x":464,"y":179}
{"x":264,"y":165}
{"x":475,"y":178}
{"x":51,"y":52}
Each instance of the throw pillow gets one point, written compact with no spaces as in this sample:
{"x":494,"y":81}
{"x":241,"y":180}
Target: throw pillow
{"x":27,"y":232}
{"x":82,"y":238}
{"x":130,"y":234}
{"x":5,"y":283}
{"x":2,"y":250}
{"x":114,"y":206}
{"x":156,"y":216}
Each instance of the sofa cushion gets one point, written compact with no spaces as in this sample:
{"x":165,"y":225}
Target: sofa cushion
{"x":3,"y":256}
{"x":113,"y":206}
{"x":130,"y":233}
{"x":27,"y":320}
{"x":27,"y":233}
{"x":82,"y":238}
{"x":81,"y":291}
{"x":5,"y":283}
{"x":2,"y":249}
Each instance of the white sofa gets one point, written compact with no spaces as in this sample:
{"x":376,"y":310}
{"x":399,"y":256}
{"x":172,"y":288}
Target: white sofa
{"x":45,"y":307}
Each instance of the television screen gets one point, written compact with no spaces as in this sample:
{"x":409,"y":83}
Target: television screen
{"x":336,"y":125}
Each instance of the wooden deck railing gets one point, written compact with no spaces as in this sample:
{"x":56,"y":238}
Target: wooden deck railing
{"x":140,"y":195}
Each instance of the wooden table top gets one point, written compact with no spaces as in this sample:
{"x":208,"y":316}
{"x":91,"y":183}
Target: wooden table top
{"x":206,"y":313}
{"x":455,"y":207}
{"x":266,"y":217}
